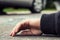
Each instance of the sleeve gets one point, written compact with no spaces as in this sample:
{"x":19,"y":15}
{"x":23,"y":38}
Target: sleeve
{"x":50,"y":23}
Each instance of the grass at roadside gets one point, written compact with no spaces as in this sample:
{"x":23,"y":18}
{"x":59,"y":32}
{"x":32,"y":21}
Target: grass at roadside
{"x":23,"y":9}
{"x":12,"y":10}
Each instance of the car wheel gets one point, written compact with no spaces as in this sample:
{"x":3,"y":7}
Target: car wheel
{"x":37,"y":6}
{"x":2,"y":12}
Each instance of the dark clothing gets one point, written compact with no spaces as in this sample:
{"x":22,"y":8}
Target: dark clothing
{"x":50,"y":23}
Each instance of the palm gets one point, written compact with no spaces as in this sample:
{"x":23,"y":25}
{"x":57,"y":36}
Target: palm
{"x":31,"y":32}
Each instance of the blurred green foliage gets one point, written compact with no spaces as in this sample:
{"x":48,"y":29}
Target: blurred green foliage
{"x":12,"y":9}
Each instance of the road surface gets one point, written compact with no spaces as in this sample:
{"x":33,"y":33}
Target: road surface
{"x":7,"y":22}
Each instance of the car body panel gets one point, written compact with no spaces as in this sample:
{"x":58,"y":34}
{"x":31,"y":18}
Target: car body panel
{"x":16,"y":3}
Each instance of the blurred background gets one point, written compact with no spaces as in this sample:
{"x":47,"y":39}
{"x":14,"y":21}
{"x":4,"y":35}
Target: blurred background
{"x":49,"y":6}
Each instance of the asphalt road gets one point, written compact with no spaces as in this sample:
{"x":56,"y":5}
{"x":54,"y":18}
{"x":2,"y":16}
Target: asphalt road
{"x":7,"y":22}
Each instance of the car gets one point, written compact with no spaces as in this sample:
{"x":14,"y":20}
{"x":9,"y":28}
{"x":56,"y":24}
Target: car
{"x":35,"y":6}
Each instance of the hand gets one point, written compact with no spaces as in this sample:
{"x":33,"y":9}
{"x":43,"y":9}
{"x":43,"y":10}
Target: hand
{"x":32,"y":25}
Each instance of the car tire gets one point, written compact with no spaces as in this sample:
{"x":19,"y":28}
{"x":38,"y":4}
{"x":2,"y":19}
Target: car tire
{"x":37,"y":6}
{"x":2,"y":12}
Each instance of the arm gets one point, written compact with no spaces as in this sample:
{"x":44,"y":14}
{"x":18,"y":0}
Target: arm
{"x":50,"y":23}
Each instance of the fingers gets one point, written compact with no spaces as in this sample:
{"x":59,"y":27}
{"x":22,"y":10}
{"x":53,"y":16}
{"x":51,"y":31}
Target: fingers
{"x":15,"y":30}
{"x":31,"y":32}
{"x":26,"y":33}
{"x":12,"y":34}
{"x":18,"y":27}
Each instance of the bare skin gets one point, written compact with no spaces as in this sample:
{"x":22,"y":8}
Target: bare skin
{"x":32,"y":25}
